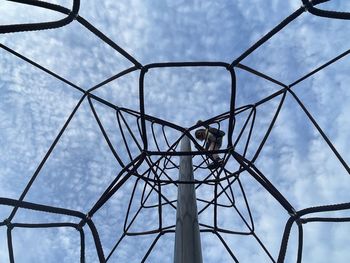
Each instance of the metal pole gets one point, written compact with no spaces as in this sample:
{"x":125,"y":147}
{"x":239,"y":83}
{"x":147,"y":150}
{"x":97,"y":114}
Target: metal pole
{"x":187,"y":236}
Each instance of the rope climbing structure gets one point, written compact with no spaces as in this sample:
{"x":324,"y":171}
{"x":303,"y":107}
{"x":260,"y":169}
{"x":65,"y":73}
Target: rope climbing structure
{"x":150,"y":152}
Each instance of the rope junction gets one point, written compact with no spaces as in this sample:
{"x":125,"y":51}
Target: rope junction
{"x":153,"y":163}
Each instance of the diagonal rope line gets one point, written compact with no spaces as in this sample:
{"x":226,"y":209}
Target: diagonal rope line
{"x":158,"y":172}
{"x":38,"y":169}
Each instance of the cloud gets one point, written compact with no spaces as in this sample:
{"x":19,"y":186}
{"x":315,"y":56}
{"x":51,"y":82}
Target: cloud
{"x":33,"y":107}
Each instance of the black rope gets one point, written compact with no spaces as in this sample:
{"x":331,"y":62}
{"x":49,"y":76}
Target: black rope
{"x":41,"y":67}
{"x":71,"y":15}
{"x":155,"y":167}
{"x":227,"y":247}
{"x":300,"y":242}
{"x":9,"y":244}
{"x":108,"y":41}
{"x":297,"y":217}
{"x":324,"y":13}
{"x":323,"y":134}
{"x":38,"y":169}
{"x":266,"y":37}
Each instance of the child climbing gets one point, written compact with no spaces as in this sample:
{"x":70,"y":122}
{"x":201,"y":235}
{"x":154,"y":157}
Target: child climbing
{"x":213,"y":141}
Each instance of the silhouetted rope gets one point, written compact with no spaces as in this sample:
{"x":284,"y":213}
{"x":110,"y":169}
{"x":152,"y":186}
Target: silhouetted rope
{"x":152,"y":169}
{"x":71,"y":15}
{"x":310,"y":6}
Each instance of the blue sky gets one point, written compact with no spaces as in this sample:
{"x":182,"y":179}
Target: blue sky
{"x":295,"y":158}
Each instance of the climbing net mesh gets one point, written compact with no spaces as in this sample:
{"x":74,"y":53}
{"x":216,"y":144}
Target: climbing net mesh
{"x":149,"y":154}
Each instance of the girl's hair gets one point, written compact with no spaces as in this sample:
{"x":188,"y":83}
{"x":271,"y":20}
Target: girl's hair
{"x":200,"y":134}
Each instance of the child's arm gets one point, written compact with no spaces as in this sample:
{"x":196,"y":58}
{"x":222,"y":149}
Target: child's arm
{"x":216,"y":132}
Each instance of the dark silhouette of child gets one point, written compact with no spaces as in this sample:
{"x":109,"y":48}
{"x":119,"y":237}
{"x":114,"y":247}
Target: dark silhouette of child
{"x":213,"y":141}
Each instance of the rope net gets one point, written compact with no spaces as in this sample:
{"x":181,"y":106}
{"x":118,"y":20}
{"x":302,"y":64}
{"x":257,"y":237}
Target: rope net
{"x":148,"y":156}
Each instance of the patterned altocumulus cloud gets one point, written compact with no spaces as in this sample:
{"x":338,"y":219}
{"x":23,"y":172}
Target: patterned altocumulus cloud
{"x":34,"y":106}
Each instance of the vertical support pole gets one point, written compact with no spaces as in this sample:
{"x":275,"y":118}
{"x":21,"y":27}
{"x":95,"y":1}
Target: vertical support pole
{"x":187,"y":235}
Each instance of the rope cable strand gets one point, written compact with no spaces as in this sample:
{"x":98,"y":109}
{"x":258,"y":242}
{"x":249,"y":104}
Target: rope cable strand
{"x":146,"y":155}
{"x":71,"y":15}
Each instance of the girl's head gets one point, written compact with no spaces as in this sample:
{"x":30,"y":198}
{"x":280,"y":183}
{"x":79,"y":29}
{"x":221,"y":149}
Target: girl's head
{"x":200,"y":134}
